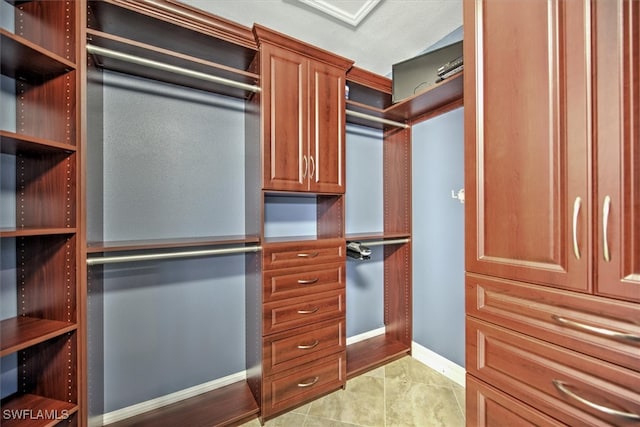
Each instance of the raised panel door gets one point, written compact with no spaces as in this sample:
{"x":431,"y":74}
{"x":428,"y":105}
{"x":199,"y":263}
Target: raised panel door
{"x":284,"y":112}
{"x":617,"y":140}
{"x":327,"y":128}
{"x":527,"y":117}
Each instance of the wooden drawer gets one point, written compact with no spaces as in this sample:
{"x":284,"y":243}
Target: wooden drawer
{"x":292,"y":388}
{"x":295,"y":282}
{"x":600,"y":327}
{"x":301,"y":311}
{"x":301,"y":345}
{"x":487,"y":407}
{"x":568,"y":386}
{"x":299,"y":254}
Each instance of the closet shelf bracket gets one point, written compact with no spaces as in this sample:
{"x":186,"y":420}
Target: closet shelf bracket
{"x":170,"y":255}
{"x":169,"y":68}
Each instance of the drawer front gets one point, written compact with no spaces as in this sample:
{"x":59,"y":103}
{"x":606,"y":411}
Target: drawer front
{"x":487,"y":407}
{"x":289,"y":389}
{"x":302,"y":311}
{"x":285,"y":255}
{"x":301,"y":345}
{"x":600,"y":327}
{"x":294,"y":282}
{"x":568,"y":386}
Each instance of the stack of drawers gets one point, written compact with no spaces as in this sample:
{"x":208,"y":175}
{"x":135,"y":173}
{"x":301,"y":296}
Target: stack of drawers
{"x":303,"y":327}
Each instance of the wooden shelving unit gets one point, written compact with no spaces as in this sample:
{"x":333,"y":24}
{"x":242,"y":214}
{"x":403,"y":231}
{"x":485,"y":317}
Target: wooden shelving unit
{"x":39,"y":56}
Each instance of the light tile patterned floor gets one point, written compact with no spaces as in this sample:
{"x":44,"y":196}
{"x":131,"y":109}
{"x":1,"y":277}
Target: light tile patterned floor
{"x":403,"y":393}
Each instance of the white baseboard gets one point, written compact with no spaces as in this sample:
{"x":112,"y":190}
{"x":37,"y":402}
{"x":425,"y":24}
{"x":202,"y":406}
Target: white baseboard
{"x":168,"y":399}
{"x":366,"y":335}
{"x":441,"y":364}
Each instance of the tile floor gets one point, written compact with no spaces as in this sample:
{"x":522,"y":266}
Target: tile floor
{"x":400,"y":394}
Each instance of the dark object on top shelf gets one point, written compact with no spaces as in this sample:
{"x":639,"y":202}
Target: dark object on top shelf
{"x":420,"y":73}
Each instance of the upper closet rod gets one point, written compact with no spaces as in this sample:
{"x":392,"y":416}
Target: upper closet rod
{"x":170,"y":68}
{"x":170,"y":255}
{"x":377,"y":119}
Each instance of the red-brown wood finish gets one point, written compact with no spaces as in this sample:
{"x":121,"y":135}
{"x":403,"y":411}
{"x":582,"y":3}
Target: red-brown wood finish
{"x":303,"y":111}
{"x":488,"y":407}
{"x":527,"y":138}
{"x":564,"y":384}
{"x":302,"y":254}
{"x":616,"y":62}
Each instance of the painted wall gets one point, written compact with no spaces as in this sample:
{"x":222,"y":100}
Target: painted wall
{"x":438,"y":235}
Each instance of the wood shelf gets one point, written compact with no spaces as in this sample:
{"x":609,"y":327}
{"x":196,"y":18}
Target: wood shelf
{"x":186,"y":242}
{"x":35,"y":231}
{"x":35,"y":411}
{"x":26,"y":60}
{"x":14,"y":143}
{"x":21,"y":332}
{"x":440,"y":95}
{"x":232,"y":404}
{"x":369,"y":354}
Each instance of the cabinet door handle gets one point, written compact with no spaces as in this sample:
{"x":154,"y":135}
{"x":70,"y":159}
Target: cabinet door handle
{"x":606,"y":207}
{"x":308,"y":281}
{"x":576,"y":211}
{"x":309,"y":382}
{"x":621,"y":336}
{"x":312,"y":163}
{"x":311,"y":311}
{"x":308,"y":346}
{"x":308,"y":255}
{"x":305,"y":166}
{"x":562,"y":388}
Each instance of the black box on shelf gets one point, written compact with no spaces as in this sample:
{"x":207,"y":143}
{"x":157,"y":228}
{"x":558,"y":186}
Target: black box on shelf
{"x":421,"y":72}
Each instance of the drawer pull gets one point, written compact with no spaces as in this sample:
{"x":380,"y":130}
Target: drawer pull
{"x":308,"y":255}
{"x":309,"y":383}
{"x":308,"y":346}
{"x":562,"y":388}
{"x":307,"y":281}
{"x":596,"y":330}
{"x":313,"y":310}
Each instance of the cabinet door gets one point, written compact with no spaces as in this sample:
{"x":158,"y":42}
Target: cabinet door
{"x":617,"y":140}
{"x":284,"y":111}
{"x":327,"y":130}
{"x":527,"y":141}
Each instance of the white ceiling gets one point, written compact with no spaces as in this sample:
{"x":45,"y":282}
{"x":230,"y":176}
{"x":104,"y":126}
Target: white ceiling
{"x":374,"y":33}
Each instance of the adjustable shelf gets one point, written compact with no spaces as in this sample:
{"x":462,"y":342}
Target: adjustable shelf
{"x":52,"y":411}
{"x":187,"y":242}
{"x":21,"y":332}
{"x":24,"y":59}
{"x":14,"y":143}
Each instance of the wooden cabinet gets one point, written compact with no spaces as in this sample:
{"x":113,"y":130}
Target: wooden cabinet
{"x":552,"y":206}
{"x":303,"y":92}
{"x":303,"y":324}
{"x":40,"y":325}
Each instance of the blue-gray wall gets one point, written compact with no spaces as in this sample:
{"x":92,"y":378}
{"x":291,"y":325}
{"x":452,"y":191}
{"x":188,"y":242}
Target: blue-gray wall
{"x":438,"y":235}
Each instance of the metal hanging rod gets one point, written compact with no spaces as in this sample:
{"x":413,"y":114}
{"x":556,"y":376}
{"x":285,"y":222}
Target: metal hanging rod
{"x":170,"y":255}
{"x":385,"y":242}
{"x":170,"y":68}
{"x":377,"y":119}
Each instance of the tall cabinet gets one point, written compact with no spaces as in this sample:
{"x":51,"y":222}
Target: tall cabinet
{"x":552,"y":282}
{"x":39,"y":230}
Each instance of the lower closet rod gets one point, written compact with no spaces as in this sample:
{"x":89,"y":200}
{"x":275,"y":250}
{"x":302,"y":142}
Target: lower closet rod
{"x":385,"y":242}
{"x":170,"y":255}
